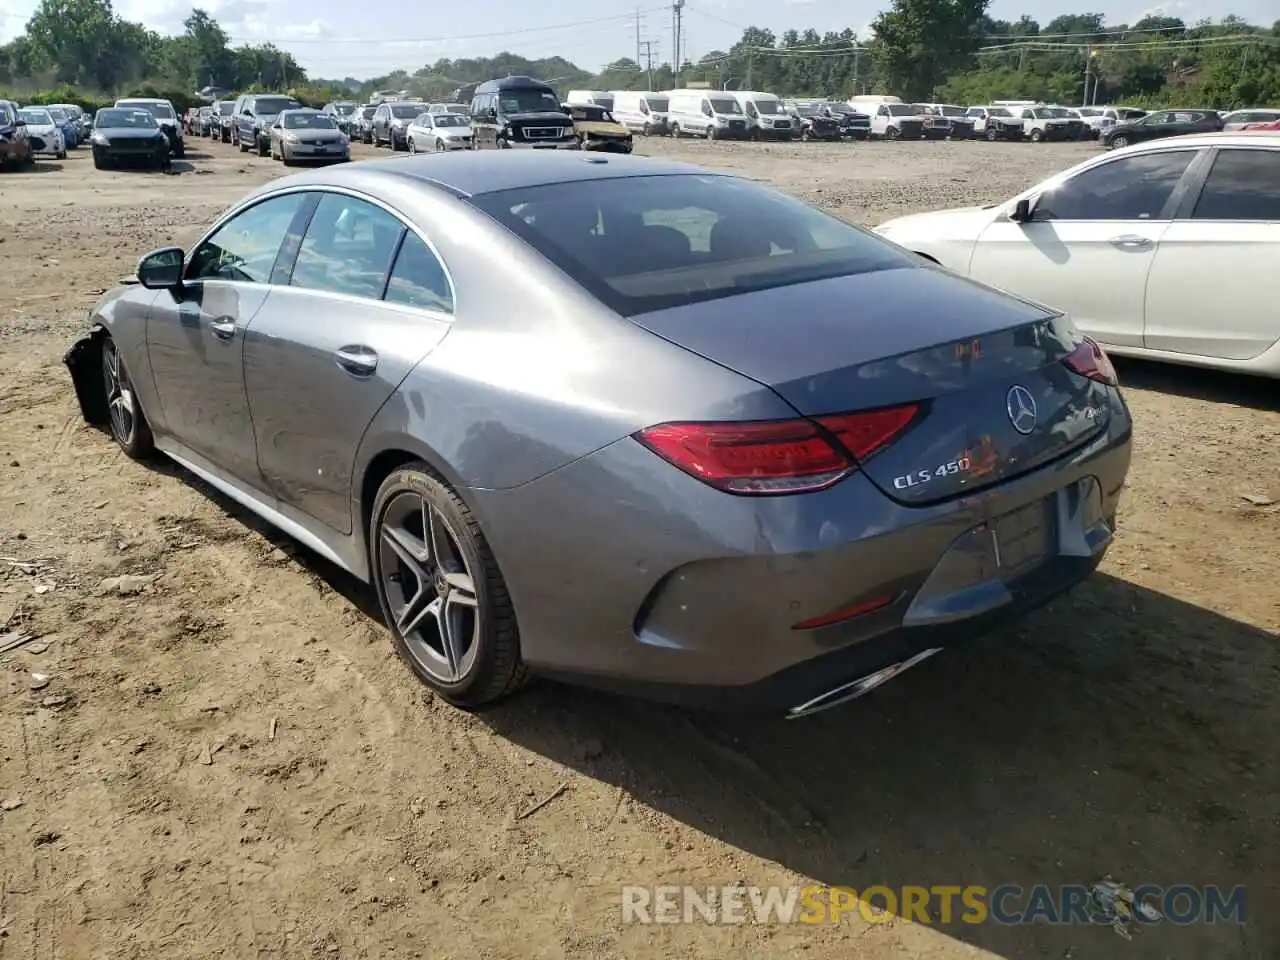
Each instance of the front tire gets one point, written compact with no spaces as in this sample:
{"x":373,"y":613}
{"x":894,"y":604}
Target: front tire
{"x":1036,"y":136}
{"x":129,"y":425}
{"x":442,"y":595}
{"x":892,"y":133}
{"x":1117,"y":143}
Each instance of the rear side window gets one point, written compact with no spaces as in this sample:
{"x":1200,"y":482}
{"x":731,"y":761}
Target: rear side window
{"x":1243,"y":185}
{"x":646,"y":243}
{"x":1132,"y":188}
{"x":418,"y":278}
{"x":347,"y":248}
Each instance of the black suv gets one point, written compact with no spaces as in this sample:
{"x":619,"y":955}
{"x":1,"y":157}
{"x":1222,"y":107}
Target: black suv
{"x":519,"y":112}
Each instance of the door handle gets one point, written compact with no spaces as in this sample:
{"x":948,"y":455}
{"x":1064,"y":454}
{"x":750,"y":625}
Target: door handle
{"x":357,"y":360}
{"x":1130,"y":241}
{"x":224,"y":328}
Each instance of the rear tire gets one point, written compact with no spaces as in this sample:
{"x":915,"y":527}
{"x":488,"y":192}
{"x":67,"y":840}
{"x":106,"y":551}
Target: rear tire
{"x":128,"y":423}
{"x":437,"y":580}
{"x":1037,"y":136}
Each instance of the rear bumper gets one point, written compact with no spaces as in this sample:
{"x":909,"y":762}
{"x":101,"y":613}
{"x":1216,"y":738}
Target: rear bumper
{"x":629,"y":578}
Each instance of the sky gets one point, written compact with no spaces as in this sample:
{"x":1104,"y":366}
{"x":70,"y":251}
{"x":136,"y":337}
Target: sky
{"x":338,"y":38}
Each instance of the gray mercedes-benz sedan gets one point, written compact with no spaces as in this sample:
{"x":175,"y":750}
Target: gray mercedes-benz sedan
{"x":620,"y":421}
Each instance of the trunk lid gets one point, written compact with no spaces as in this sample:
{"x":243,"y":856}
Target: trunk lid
{"x":995,"y":399}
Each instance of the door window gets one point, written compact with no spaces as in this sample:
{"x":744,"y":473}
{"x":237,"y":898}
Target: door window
{"x":244,"y":249}
{"x":418,"y":278}
{"x":1243,"y":185}
{"x":1134,"y":188}
{"x":347,"y":248}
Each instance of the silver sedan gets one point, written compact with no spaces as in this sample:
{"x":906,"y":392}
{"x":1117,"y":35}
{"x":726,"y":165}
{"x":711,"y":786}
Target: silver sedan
{"x":308,"y":135}
{"x":620,"y":420}
{"x":439,"y":132}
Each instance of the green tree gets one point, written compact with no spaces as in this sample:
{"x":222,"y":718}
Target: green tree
{"x":920,"y":43}
{"x":75,"y":38}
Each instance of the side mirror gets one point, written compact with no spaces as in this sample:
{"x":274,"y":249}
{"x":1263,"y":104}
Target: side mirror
{"x":161,"y":269}
{"x":1022,"y":211}
{"x":19,"y":122}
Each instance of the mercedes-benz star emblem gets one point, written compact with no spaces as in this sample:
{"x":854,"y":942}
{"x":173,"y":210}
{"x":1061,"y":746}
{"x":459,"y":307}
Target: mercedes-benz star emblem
{"x":1021,"y":406}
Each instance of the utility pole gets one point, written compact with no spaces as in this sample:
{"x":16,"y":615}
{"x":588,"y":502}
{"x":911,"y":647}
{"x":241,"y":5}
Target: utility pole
{"x":857,"y":51}
{"x":1087,"y":71}
{"x":677,"y":12}
{"x":638,"y":42}
{"x":648,"y":61}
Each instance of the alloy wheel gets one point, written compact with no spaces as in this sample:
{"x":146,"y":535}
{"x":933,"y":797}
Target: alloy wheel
{"x":119,"y":392}
{"x":429,"y":589}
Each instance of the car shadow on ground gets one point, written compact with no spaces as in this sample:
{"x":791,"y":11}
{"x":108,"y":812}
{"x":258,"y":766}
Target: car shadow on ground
{"x":40,"y":166}
{"x":1199,"y":383}
{"x":1118,"y":719}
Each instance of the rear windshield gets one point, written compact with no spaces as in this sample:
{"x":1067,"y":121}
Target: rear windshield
{"x":640,"y":244}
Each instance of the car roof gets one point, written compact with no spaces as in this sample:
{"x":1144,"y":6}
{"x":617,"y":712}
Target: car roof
{"x":468,"y":173}
{"x":141,"y":100}
{"x":512,"y":83}
{"x":1238,"y":139}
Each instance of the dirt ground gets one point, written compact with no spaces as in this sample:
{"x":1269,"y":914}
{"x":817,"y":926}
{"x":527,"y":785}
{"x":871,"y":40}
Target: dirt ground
{"x":230,"y":762}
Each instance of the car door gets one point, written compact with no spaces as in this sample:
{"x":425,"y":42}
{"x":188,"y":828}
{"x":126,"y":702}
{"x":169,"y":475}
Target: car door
{"x":196,"y":336}
{"x":1214,"y":288}
{"x":366,"y":301}
{"x":1090,"y":243}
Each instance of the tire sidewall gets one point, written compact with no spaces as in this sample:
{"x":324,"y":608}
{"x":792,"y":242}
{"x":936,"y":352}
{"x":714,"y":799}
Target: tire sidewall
{"x":139,"y":445}
{"x":433,"y":492}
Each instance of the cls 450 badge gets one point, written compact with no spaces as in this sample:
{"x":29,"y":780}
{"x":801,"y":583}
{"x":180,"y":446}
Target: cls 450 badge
{"x":949,"y":469}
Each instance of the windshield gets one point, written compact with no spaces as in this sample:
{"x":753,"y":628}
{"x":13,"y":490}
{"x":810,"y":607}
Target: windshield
{"x":225,"y":107}
{"x":640,"y":244}
{"x":123,"y":117}
{"x":270,"y":106}
{"x":161,"y":111}
{"x":590,"y":114}
{"x":39,"y":118}
{"x":306,"y":121}
{"x":344,"y":109}
{"x":529,"y":100}
{"x":768,"y":108}
{"x":367,"y":112}
{"x":901,"y":110}
{"x":658,"y":104}
{"x":406,"y":111}
{"x":1057,"y":112}
{"x":725,"y":105}
{"x":205,"y":111}
{"x":450,"y":120}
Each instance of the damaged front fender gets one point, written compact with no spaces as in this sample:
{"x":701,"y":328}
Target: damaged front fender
{"x":84,"y":362}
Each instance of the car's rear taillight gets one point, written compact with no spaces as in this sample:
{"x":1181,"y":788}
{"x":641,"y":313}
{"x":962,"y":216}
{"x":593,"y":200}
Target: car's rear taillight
{"x":765,"y":457}
{"x":1090,"y":361}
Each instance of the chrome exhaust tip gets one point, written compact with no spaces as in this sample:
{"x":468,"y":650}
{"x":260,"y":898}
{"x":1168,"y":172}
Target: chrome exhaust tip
{"x":851,"y":691}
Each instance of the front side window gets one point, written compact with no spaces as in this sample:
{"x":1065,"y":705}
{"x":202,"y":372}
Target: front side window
{"x":347,"y":248}
{"x":244,"y":249}
{"x":647,"y":243}
{"x":1132,"y":188}
{"x":418,"y":278}
{"x":1243,"y":185}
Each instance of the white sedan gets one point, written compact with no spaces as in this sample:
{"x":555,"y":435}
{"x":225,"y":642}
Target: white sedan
{"x":439,"y":132}
{"x":1167,"y":250}
{"x":43,"y":132}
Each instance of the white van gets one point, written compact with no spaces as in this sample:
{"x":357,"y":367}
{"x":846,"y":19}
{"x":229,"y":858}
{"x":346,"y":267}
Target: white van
{"x":871,"y":100}
{"x":767,"y":118}
{"x":641,"y":111}
{"x":599,"y":98}
{"x":713,"y":114}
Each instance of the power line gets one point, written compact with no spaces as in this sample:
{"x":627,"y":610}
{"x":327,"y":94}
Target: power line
{"x":616,"y":18}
